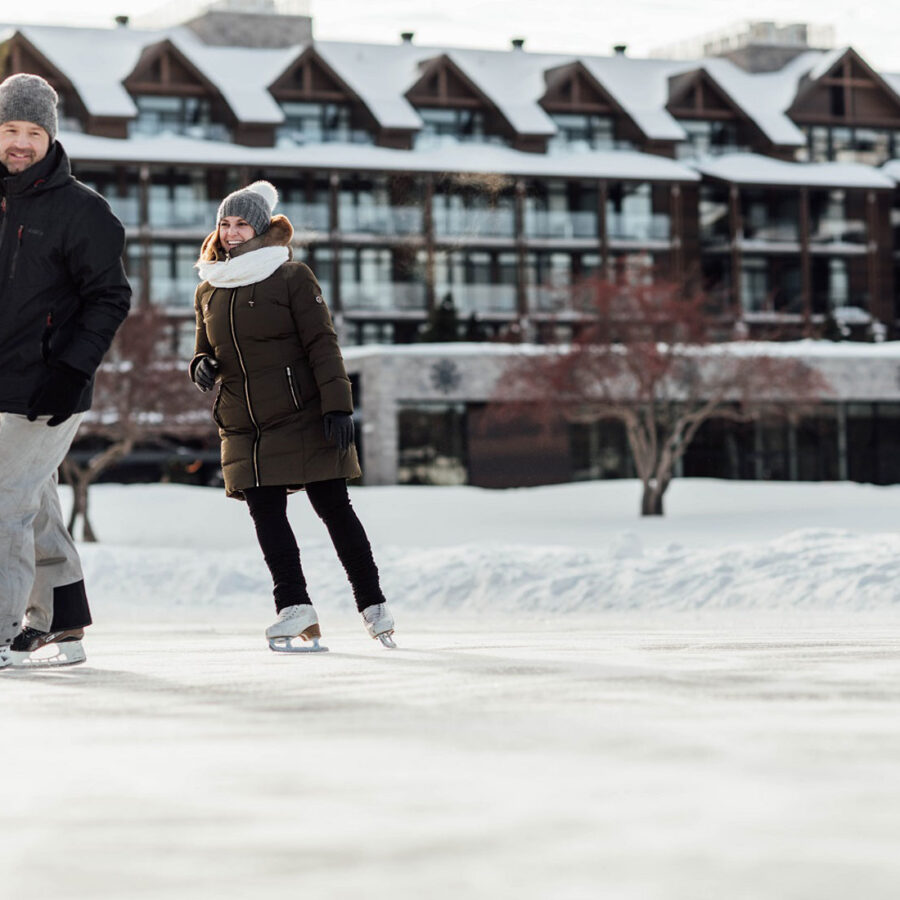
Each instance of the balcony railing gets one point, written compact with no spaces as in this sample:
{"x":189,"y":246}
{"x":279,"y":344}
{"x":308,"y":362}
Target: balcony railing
{"x":306,"y":216}
{"x":498,"y":223}
{"x":173,"y":292}
{"x":547,"y":298}
{"x":624,"y":227}
{"x":557,"y":224}
{"x":127,"y":209}
{"x":469,"y":298}
{"x":382,"y":220}
{"x":834,"y":231}
{"x":200,"y":214}
{"x":382,"y":295}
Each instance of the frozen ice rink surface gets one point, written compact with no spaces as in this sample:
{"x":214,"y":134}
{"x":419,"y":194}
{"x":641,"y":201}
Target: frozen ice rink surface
{"x":629,"y":756}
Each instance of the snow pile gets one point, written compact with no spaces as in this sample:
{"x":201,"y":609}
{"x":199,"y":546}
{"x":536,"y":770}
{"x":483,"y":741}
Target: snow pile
{"x":570,"y":549}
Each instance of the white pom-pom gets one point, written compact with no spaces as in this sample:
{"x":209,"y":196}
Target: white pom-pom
{"x":266,"y":191}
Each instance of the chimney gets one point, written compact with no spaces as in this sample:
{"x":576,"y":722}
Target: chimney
{"x":407,"y":36}
{"x":122,"y":21}
{"x":619,"y":49}
{"x":517,"y":43}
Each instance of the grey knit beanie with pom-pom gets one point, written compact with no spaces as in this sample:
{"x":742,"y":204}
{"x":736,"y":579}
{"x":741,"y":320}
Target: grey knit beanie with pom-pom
{"x":253,"y":203}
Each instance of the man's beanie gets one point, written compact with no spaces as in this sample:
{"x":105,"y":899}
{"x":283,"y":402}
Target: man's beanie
{"x":253,"y":203}
{"x":28,"y":98}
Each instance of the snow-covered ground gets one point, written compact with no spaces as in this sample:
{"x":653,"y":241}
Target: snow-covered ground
{"x":584,"y":704}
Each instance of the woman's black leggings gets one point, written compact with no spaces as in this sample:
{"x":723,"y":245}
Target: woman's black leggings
{"x":330,"y":500}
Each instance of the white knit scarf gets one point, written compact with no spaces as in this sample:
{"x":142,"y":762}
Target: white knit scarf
{"x":248,"y":268}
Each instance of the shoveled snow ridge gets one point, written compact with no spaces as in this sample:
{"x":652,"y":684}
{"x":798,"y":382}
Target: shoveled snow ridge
{"x":808,"y":568}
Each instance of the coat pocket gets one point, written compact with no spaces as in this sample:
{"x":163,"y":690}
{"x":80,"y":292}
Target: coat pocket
{"x":293,"y":388}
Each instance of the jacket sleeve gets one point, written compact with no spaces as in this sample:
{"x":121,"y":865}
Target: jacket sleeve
{"x":202,"y":346}
{"x":319,"y":339}
{"x":93,"y":257}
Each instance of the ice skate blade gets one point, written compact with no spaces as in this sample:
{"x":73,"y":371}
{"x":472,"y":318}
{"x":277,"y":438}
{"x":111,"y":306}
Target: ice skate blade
{"x":50,"y":656}
{"x":284,"y":645}
{"x":387,"y":639}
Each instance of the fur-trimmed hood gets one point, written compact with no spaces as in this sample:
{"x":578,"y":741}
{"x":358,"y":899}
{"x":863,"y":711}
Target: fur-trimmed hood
{"x":280,"y":233}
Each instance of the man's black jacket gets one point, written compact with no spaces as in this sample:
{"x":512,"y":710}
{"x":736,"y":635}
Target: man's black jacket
{"x":63,"y":290}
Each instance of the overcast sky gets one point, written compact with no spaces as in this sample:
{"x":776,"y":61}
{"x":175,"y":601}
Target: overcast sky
{"x":572,"y":26}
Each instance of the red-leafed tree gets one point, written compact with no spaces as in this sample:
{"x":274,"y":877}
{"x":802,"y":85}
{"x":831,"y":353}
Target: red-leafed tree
{"x":648,"y":357}
{"x":142,"y":394}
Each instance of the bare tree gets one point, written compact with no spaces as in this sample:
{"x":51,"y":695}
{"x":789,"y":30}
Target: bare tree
{"x":647,"y":357}
{"x":142,"y":393}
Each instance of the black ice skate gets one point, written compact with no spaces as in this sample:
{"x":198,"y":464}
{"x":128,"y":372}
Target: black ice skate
{"x":34,"y":649}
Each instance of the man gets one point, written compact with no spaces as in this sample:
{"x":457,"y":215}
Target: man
{"x":63,"y":294}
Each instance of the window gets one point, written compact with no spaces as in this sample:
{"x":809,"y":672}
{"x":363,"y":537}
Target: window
{"x":705,"y":137}
{"x":191,"y":116}
{"x":585,"y":131}
{"x":842,"y":143}
{"x":432,"y":444}
{"x":320,"y":123}
{"x":443,"y":125}
{"x":754,"y":285}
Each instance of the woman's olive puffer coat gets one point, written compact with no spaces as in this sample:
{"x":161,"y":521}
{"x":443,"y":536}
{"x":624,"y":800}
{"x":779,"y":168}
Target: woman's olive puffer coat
{"x":280,"y":371}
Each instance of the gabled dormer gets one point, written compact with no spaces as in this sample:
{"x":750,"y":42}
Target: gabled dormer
{"x":18,"y":54}
{"x":585,"y":113}
{"x":173,"y":95}
{"x":714,"y":122}
{"x":452,"y":107}
{"x":848,"y":111}
{"x":319,"y":106}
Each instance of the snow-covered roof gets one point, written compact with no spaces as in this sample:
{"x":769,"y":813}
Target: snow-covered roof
{"x":759,"y":101}
{"x":256,"y":69}
{"x":892,"y":170}
{"x":751,"y":168}
{"x":98,"y":60}
{"x":470,"y":158}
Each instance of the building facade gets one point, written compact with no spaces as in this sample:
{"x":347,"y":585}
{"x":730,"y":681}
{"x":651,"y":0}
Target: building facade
{"x":495,"y":181}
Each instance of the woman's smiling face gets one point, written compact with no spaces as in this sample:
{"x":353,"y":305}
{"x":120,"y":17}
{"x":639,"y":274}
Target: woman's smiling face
{"x":233,"y":230}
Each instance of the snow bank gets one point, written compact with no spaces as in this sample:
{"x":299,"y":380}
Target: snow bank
{"x":570,"y":549}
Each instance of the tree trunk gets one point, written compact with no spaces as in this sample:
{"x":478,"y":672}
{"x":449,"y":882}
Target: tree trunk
{"x":652,"y":500}
{"x":80,"y":481}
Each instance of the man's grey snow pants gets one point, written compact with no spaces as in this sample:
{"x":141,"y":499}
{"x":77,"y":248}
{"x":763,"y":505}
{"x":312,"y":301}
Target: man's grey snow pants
{"x":38,"y":560}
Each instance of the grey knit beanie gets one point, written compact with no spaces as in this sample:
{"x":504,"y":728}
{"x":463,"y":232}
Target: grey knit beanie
{"x":28,"y":98}
{"x":253,"y":203}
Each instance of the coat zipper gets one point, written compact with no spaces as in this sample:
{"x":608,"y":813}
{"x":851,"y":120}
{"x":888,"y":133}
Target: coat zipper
{"x":240,"y":356}
{"x":294,"y":396}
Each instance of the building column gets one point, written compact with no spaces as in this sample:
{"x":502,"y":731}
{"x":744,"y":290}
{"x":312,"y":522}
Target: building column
{"x":805,"y":262}
{"x":602,"y":229}
{"x":334,"y":183}
{"x":521,"y":287}
{"x":676,"y":234}
{"x":144,"y":234}
{"x":428,"y":221}
{"x":736,"y":227}
{"x":872,"y":252}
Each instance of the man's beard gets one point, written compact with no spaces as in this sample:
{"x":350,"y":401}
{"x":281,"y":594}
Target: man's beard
{"x":14,"y":166}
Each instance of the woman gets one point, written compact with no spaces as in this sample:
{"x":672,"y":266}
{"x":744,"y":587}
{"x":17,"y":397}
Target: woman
{"x":283,"y":406}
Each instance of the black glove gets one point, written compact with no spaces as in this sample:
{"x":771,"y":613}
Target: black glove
{"x":339,"y":428}
{"x":204,"y":374}
{"x":58,"y":394}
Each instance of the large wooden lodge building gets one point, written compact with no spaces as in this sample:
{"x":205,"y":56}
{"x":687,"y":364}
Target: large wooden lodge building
{"x":500,"y":179}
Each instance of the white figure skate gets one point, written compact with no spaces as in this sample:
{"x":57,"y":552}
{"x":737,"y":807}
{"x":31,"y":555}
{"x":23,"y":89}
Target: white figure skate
{"x":380,"y":624}
{"x":293,"y":622}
